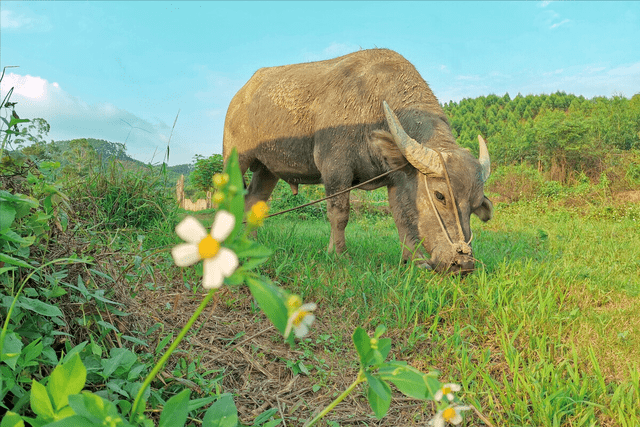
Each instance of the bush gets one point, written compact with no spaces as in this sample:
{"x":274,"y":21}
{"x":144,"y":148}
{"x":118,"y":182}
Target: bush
{"x":515,"y":182}
{"x":119,"y":197}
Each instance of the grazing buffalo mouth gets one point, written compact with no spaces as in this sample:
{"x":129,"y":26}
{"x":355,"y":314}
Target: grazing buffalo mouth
{"x":461,"y":264}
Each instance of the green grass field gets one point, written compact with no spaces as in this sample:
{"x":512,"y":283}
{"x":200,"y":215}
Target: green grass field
{"x":546,"y":332}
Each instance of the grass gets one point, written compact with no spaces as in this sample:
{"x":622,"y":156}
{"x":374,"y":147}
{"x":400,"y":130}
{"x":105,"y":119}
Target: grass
{"x":545,"y":333}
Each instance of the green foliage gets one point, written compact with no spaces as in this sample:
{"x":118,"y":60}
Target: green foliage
{"x":283,"y":199}
{"x":120,"y":197}
{"x":559,"y":133}
{"x":204,"y":170}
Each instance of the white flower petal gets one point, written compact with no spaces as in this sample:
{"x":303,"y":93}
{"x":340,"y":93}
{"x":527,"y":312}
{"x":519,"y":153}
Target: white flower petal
{"x":438,"y":395}
{"x":457,"y":419}
{"x":310,"y":306}
{"x":308,"y":319}
{"x":301,"y":330}
{"x":226,"y":261}
{"x":190,"y":230}
{"x":437,"y":421}
{"x":223,"y":225}
{"x":185,"y":254}
{"x":211,"y":275}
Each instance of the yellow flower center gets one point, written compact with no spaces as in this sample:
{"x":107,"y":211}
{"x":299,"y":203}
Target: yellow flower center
{"x":373,"y":343}
{"x":297,"y":320}
{"x":208,"y":247}
{"x":446,"y":390}
{"x":293,"y":302}
{"x":258,"y":213}
{"x":218,"y":197}
{"x":449,"y":414}
{"x":220,"y":179}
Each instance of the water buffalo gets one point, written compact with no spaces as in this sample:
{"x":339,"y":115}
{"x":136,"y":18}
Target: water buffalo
{"x":346,"y":120}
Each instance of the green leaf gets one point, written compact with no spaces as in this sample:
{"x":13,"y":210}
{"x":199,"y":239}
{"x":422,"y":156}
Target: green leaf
{"x":433,"y":385}
{"x":11,"y":349}
{"x":162,"y":344}
{"x":381,"y":329}
{"x":120,"y":358}
{"x":222,"y":413}
{"x":7,"y":215}
{"x":255,"y":251}
{"x":362,"y":342}
{"x":380,"y":387}
{"x":175,"y":410}
{"x":93,"y":407}
{"x":408,"y":380}
{"x":74,"y":421}
{"x":40,"y":402}
{"x":14,"y":261}
{"x":31,"y":352}
{"x":271,"y":300}
{"x":39,"y":307}
{"x":384,"y":346}
{"x":11,"y":419}
{"x":75,"y":350}
{"x":380,"y":406}
{"x":12,"y":236}
{"x":67,"y":379}
{"x":236,"y":202}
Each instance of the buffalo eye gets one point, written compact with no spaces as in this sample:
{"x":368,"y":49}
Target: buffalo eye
{"x":439,"y":196}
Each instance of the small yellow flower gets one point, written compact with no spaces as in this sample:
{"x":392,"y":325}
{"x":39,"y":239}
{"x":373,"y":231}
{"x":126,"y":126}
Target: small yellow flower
{"x":446,"y":390}
{"x":373,"y":343}
{"x":218,"y":197}
{"x":257,"y":213}
{"x":218,"y":262}
{"x":300,"y":316}
{"x":220,"y":179}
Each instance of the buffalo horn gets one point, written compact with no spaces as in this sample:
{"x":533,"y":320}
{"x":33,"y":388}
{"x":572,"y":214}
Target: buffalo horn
{"x":484,"y":160}
{"x":422,"y":158}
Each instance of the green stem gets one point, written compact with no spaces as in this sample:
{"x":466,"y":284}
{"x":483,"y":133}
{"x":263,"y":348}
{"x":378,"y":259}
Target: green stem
{"x":361,"y":378}
{"x":165,"y":356}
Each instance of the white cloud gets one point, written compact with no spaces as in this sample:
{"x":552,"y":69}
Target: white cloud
{"x":71,"y":117}
{"x":332,"y":51}
{"x":552,"y":73}
{"x":9,"y":20}
{"x":556,"y":25}
{"x":545,"y":3}
{"x":468,"y":78}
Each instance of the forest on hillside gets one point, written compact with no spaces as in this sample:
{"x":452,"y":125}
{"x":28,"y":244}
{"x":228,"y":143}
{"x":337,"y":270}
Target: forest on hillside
{"x":562,"y":135}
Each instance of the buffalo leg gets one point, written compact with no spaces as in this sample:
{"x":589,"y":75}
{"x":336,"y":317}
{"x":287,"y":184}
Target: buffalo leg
{"x":262,"y":184}
{"x":338,"y":214}
{"x":408,"y":245}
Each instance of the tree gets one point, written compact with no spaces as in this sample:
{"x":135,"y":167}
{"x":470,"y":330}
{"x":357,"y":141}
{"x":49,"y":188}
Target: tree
{"x":205,"y":168}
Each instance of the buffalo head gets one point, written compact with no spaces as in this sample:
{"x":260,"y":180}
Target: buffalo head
{"x":443,"y":187}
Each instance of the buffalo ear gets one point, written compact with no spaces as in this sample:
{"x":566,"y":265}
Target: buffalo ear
{"x":384,"y":142}
{"x":485,"y":211}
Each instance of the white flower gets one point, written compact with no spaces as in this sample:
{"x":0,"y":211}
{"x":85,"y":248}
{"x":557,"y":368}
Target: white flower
{"x":450,"y":415}
{"x":300,"y":316}
{"x":446,"y":390}
{"x":218,"y":262}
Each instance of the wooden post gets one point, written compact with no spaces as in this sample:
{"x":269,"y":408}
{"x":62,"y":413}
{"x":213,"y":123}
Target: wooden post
{"x":180,"y":191}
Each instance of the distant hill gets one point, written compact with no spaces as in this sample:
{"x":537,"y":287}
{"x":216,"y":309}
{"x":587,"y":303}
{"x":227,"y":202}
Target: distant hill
{"x":108,"y":151}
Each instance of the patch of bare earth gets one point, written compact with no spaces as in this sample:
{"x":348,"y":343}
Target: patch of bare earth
{"x":233,"y":337}
{"x":628,"y":196}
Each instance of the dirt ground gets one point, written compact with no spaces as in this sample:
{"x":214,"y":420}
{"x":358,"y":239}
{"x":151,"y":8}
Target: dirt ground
{"x":239,"y":340}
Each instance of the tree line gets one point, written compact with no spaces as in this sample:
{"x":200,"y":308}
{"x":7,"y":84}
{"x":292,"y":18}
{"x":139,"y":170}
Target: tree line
{"x":560,"y":134}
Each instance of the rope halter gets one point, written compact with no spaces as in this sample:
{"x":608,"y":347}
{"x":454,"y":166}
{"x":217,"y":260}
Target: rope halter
{"x":460,"y":247}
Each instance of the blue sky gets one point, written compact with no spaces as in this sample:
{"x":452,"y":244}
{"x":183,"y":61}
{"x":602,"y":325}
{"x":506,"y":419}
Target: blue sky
{"x":89,"y":67}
